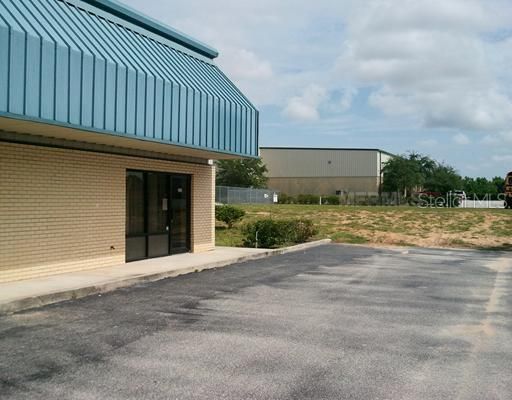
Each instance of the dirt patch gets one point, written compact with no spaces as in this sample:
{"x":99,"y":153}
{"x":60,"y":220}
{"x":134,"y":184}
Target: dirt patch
{"x":403,"y":226}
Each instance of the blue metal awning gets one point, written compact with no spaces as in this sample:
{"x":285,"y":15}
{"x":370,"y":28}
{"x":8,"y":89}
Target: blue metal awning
{"x":99,"y":66}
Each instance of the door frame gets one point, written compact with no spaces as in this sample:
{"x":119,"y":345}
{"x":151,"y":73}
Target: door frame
{"x":146,"y":234}
{"x":188,"y":192}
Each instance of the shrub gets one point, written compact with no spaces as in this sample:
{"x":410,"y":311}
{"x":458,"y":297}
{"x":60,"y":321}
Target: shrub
{"x":308,"y":199}
{"x":333,"y":200}
{"x":302,"y":230}
{"x":229,"y":214}
{"x":283,"y":198}
{"x":265,"y":233}
{"x":269,"y":233}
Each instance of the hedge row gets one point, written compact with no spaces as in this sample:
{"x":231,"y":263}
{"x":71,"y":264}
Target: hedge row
{"x":308,"y":199}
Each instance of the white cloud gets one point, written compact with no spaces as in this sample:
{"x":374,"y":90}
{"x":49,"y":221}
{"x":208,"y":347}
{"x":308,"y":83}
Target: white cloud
{"x":427,"y":59}
{"x":305,"y":107}
{"x":250,"y":72}
{"x":270,"y":49}
{"x":461,"y":139}
{"x":499,"y":139}
{"x":248,"y":66}
{"x":347,"y":99}
{"x":506,"y":136}
{"x":490,"y":140}
{"x":392,"y":103}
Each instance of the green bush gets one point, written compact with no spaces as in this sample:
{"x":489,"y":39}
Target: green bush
{"x":269,"y":233}
{"x":333,"y":200}
{"x":308,"y":199}
{"x":265,"y":233}
{"x":302,"y":230}
{"x":229,"y":214}
{"x":283,"y":198}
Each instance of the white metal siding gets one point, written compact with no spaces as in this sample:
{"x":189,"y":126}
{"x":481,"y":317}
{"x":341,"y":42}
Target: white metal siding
{"x":297,"y":163}
{"x":384,"y":158}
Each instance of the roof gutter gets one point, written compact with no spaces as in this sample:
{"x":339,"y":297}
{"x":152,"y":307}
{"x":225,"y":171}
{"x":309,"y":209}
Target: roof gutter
{"x":134,"y":17}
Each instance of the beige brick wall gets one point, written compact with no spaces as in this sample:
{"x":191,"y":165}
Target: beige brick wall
{"x":62,"y":210}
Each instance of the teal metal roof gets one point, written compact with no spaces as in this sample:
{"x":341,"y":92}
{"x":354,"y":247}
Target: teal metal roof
{"x":128,"y":14}
{"x":100,"y":66}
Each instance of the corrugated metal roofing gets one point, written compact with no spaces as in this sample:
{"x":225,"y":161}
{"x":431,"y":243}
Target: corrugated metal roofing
{"x":328,"y":149}
{"x":72,"y":64}
{"x":324,"y":162}
{"x":130,"y":15}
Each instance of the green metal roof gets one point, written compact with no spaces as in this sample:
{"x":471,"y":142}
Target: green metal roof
{"x":100,"y":66}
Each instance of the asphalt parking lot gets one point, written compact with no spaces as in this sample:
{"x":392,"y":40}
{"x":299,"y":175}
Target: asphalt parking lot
{"x":334,"y":322}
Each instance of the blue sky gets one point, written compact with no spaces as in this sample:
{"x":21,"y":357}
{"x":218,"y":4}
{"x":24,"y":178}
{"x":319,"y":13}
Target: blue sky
{"x":432,"y":76}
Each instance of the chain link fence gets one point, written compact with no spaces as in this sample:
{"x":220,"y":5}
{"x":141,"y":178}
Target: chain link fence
{"x":236,"y":195}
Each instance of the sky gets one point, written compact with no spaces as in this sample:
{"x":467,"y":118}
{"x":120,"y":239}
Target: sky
{"x":431,"y":76}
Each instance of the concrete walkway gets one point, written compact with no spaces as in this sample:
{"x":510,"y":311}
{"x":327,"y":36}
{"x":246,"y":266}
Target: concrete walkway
{"x":30,"y":293}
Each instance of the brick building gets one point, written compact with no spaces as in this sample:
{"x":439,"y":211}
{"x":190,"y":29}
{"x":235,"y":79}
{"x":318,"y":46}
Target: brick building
{"x":109,"y":122}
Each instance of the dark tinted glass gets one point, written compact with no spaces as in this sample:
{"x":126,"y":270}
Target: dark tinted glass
{"x":158,"y":245}
{"x":179,"y":217}
{"x":135,"y":248}
{"x":157,"y":214}
{"x":134,"y":203}
{"x":158,"y":203}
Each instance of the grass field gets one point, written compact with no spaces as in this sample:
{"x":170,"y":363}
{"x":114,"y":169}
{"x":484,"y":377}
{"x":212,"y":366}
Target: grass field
{"x":404,"y":226}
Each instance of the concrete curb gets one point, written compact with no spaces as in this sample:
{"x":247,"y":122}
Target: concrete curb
{"x":108,"y":286}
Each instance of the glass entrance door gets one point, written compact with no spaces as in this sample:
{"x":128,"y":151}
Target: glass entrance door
{"x":157,"y":214}
{"x":135,"y":215}
{"x":179,"y":214}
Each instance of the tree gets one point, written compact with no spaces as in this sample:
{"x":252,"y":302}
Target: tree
{"x":242,"y":173}
{"x":416,"y":171}
{"x":426,"y":164}
{"x":442,"y":179}
{"x":403,"y":173}
{"x":481,"y":187}
{"x":499,"y":184}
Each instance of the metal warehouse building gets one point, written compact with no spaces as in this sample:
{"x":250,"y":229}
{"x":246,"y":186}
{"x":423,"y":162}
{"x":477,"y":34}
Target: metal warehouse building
{"x":324,"y":171}
{"x":109,"y":122}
